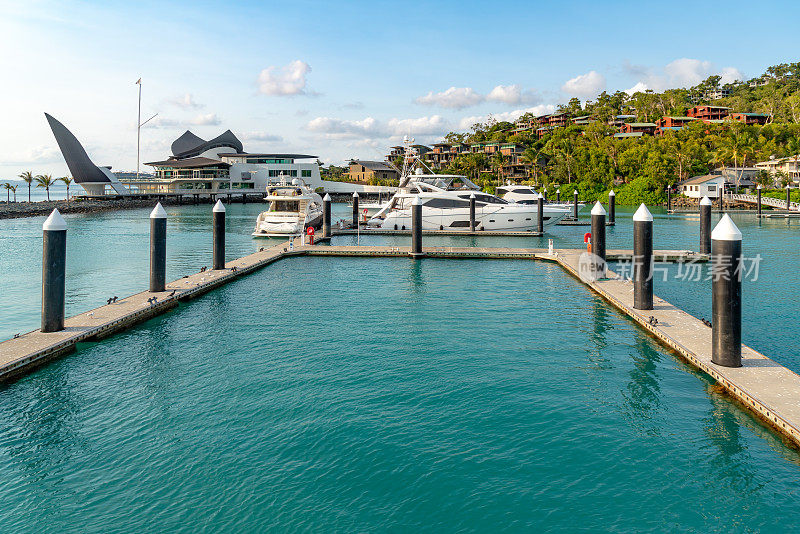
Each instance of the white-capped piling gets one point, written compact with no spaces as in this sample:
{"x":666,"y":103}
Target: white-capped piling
{"x":544,"y":194}
{"x":416,"y":228}
{"x":599,"y":233}
{"x":540,"y":214}
{"x":472,"y":212}
{"x":575,"y":204}
{"x":669,"y":198}
{"x":705,"y":225}
{"x":326,"y":216}
{"x":758,"y":193}
{"x":218,"y":252}
{"x":558,"y":195}
{"x":612,"y":207}
{"x":726,"y":305}
{"x":355,"y":209}
{"x":158,"y":249}
{"x":788,"y":199}
{"x":643,"y":259}
{"x":54,"y":268}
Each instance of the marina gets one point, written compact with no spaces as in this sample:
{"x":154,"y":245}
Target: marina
{"x":347,"y":280}
{"x":761,"y":384}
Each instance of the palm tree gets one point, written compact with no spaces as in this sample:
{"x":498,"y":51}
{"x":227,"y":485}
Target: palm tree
{"x":67,"y":180}
{"x":14,"y":190}
{"x":8,"y":187}
{"x":27,"y":177}
{"x":498,"y":162}
{"x":45,"y":180}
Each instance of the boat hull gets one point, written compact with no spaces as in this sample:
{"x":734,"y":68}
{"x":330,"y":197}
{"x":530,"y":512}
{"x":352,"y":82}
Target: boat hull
{"x":509,"y":218}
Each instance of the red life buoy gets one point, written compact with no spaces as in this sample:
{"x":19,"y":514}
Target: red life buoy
{"x":310,"y":230}
{"x":587,"y":236}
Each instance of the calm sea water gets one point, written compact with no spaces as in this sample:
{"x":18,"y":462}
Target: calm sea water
{"x":382,"y":394}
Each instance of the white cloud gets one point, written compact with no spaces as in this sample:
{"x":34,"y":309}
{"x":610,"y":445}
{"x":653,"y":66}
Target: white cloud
{"x":586,"y":85}
{"x":39,"y":154}
{"x":288,"y":80}
{"x":464,"y":97}
{"x":261,"y":136}
{"x":209,"y":119}
{"x":513,"y":95}
{"x":453,"y":98}
{"x":510,"y":116}
{"x":640,"y":87}
{"x":682,"y":72}
{"x":730,"y":75}
{"x":434,"y":125}
{"x":186,"y":101}
{"x":371,"y":128}
{"x":340,"y":128}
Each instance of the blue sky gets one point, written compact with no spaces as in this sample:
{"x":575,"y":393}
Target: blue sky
{"x":344,"y":79}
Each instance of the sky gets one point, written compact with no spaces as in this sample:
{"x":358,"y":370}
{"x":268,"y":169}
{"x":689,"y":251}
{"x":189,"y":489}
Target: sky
{"x":344,"y":80}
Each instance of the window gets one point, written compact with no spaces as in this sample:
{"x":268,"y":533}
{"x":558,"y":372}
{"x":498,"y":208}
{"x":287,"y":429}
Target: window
{"x":446,"y":203}
{"x":712,"y":188}
{"x":306,"y":173}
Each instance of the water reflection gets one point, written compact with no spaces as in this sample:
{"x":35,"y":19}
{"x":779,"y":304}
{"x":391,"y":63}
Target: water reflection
{"x":643,"y":395}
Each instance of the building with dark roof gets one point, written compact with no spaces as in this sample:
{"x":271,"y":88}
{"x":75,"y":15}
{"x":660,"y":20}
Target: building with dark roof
{"x":364,"y":171}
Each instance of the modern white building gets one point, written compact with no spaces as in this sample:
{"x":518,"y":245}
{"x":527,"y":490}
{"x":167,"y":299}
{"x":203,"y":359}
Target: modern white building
{"x":708,"y":185}
{"x":788,"y":166}
{"x":199,"y":167}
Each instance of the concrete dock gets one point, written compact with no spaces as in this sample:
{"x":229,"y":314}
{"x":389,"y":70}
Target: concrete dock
{"x":765,"y":387}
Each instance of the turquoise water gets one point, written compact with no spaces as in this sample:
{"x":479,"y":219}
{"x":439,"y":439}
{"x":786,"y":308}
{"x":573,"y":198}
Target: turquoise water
{"x":383,"y":394}
{"x":518,"y":401}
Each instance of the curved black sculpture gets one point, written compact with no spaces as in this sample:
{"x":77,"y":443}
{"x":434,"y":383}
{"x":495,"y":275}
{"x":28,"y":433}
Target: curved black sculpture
{"x":188,"y":141}
{"x":227,"y":139}
{"x":80,"y":166}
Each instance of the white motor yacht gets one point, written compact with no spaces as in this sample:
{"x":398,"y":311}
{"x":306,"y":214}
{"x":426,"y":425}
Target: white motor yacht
{"x":445,"y":206}
{"x":293,"y":207}
{"x":448,"y":209}
{"x":525,"y":194}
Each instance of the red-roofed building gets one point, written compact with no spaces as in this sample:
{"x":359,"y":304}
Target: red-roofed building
{"x":708,"y":112}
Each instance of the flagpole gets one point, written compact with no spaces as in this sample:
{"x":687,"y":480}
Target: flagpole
{"x":138,"y":127}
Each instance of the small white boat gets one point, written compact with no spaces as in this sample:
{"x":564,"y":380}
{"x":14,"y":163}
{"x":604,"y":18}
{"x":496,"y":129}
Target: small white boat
{"x":525,"y":194}
{"x":293,"y":207}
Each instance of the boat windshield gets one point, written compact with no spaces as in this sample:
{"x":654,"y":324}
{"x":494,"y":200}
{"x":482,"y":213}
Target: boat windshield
{"x":284,"y":205}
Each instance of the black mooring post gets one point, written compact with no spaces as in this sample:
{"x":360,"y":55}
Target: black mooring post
{"x":643,"y":259}
{"x":558,"y":195}
{"x":788,"y":199}
{"x":326,"y":216}
{"x":726,"y":305}
{"x":612,"y":208}
{"x":355,"y":209}
{"x":158,"y":249}
{"x":705,"y":225}
{"x":472,"y":212}
{"x":218,"y":252}
{"x":599,"y":236}
{"x":416,"y":228}
{"x":758,"y":189}
{"x":721,"y":199}
{"x":540,"y":214}
{"x":575,"y":203}
{"x":669,"y":198}
{"x":54,"y":269}
{"x":544,"y":195}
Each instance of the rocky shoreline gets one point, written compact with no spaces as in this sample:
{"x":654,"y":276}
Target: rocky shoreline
{"x":34,"y":209}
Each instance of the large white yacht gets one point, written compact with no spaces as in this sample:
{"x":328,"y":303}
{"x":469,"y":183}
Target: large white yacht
{"x":293,"y":207}
{"x":445,"y":206}
{"x":444,"y":209}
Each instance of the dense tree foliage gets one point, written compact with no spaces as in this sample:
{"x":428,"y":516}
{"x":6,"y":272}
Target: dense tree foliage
{"x":590,"y":159}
